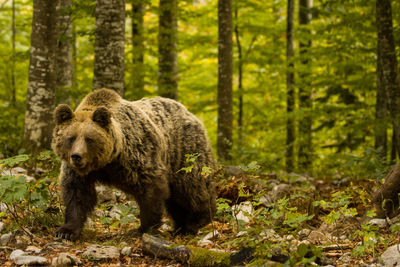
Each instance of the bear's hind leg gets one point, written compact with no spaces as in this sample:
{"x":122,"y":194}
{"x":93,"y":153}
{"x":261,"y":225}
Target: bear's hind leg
{"x":152,"y":205}
{"x":180,"y":217}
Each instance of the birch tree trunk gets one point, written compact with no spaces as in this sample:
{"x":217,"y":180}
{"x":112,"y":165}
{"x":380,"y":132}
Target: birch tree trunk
{"x":138,"y":68}
{"x":225,"y":117}
{"x":305,"y":90}
{"x":109,"y":45}
{"x":290,"y":93}
{"x":40,"y":99}
{"x":388,"y":77}
{"x":65,"y":67}
{"x":167,"y":50}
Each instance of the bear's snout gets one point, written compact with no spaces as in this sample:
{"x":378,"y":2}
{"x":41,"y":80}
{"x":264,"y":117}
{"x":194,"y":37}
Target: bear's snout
{"x":76,"y":158}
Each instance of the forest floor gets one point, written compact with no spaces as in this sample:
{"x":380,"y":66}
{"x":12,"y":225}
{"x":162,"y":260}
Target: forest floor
{"x":284,"y":217}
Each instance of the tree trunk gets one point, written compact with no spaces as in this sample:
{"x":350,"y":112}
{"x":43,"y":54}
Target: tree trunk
{"x":65,"y":68}
{"x":109,"y":45}
{"x":381,"y":113}
{"x":240,"y":74}
{"x":224,"y":139}
{"x":13,"y":87}
{"x":388,"y":79}
{"x":40,"y":99}
{"x":167,"y":50}
{"x":290,"y":93}
{"x":138,"y":68}
{"x":305,"y":92}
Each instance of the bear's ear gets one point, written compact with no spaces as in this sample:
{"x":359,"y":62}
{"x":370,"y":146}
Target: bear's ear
{"x":102,"y":116}
{"x":63,"y":113}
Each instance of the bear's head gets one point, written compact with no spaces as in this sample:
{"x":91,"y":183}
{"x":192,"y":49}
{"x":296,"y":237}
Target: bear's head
{"x":86,"y":140}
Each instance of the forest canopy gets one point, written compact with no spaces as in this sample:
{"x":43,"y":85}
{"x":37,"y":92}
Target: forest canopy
{"x":337,"y":67}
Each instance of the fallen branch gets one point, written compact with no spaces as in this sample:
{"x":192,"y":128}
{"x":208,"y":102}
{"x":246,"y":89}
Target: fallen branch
{"x":194,"y":256}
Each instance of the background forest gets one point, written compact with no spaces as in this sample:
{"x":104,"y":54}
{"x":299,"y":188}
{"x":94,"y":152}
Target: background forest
{"x":338,"y":69}
{"x":301,"y":101}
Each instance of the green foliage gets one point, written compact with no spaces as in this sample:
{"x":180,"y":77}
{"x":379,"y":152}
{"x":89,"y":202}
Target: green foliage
{"x":30,"y":201}
{"x":305,"y":255}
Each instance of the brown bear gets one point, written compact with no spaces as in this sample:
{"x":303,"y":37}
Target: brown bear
{"x":139,"y":147}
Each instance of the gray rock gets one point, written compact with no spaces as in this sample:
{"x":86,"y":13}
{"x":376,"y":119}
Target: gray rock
{"x":17,"y":253}
{"x":270,"y":235}
{"x":65,"y":259}
{"x":30,"y":260}
{"x":391,"y":256}
{"x":279,"y":191}
{"x":5,"y":239}
{"x":1,"y":226}
{"x":115,"y":213}
{"x":3,"y":207}
{"x":127,"y":251}
{"x":243,"y":211}
{"x":381,"y":223}
{"x":206,"y":240}
{"x":304,"y":233}
{"x":33,"y":249}
{"x":97,"y":252}
{"x":345,"y":258}
{"x":20,"y":257}
{"x":105,"y":194}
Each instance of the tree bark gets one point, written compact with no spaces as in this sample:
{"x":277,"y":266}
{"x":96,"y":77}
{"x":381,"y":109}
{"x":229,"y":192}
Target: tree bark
{"x":381,"y":112}
{"x":40,"y":99}
{"x":305,"y":92}
{"x":65,"y":67}
{"x":167,"y":49}
{"x":240,"y":74}
{"x":388,"y":77}
{"x":138,"y":68}
{"x":224,"y":137}
{"x":290,"y":93}
{"x":13,"y":87}
{"x":109,"y":45}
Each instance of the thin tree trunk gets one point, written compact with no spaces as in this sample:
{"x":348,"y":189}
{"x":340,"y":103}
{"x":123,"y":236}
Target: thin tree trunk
{"x":240,"y":73}
{"x":109,"y":45}
{"x":389,"y":78}
{"x":40,"y":99}
{"x":65,"y":67}
{"x":13,"y":87}
{"x":224,"y":138}
{"x":305,"y":92}
{"x":167,"y":49}
{"x":290,"y":94}
{"x":138,"y":68}
{"x":381,"y":113}
{"x":393,"y":154}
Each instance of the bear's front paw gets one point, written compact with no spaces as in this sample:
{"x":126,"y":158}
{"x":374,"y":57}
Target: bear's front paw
{"x":67,"y":233}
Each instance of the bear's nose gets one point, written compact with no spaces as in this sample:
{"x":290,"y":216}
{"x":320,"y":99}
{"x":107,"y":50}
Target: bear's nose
{"x":76,"y":158}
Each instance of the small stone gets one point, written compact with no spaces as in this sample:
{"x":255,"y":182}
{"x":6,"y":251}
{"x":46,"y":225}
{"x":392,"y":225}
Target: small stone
{"x":206,"y":240}
{"x":304,"y":233}
{"x":243,"y":211}
{"x":165,"y":227}
{"x":381,"y":223}
{"x":265,"y":200}
{"x":17,"y":253}
{"x":270,"y":235}
{"x":97,"y":252}
{"x":30,"y":260}
{"x":65,"y":259}
{"x":3,"y":207}
{"x":127,"y":251}
{"x":345,"y":258}
{"x":33,"y":249}
{"x":242,"y":233}
{"x":1,"y":226}
{"x":115,"y":213}
{"x":317,"y":237}
{"x":105,"y":194}
{"x":5,"y":239}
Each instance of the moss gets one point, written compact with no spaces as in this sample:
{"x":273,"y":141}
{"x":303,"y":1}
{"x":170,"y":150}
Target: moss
{"x":204,"y":257}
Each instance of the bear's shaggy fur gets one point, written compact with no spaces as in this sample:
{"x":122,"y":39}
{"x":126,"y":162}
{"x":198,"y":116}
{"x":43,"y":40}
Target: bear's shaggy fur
{"x":139,"y":147}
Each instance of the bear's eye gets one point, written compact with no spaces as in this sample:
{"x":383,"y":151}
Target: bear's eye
{"x":71,"y":139}
{"x":89,"y":140}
